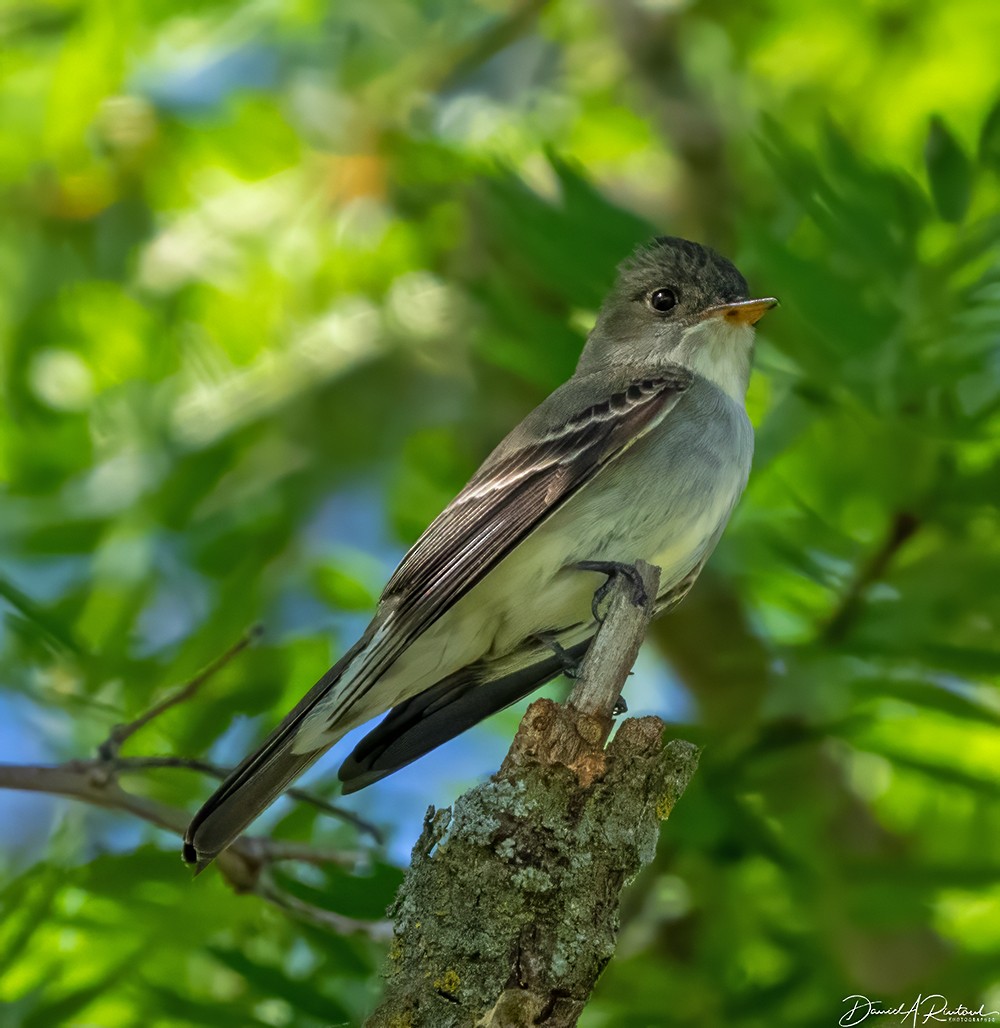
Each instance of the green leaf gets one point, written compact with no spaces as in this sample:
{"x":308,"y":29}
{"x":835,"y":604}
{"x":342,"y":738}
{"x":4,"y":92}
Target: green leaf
{"x":349,"y":955}
{"x":25,"y":906}
{"x":940,"y":772}
{"x":342,"y":590}
{"x":968,"y":875}
{"x":62,"y":1010}
{"x":989,"y":139}
{"x":949,"y":171}
{"x":969,"y":660}
{"x":184,"y":1010}
{"x":36,"y":619}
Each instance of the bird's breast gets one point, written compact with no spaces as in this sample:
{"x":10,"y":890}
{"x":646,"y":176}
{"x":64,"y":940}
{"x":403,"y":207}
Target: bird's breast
{"x":669,"y":497}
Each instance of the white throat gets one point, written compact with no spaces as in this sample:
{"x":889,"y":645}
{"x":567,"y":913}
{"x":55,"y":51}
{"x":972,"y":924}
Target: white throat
{"x":720,"y":351}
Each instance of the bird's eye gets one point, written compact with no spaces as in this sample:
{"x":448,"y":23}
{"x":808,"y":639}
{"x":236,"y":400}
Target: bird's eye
{"x":662,"y":300}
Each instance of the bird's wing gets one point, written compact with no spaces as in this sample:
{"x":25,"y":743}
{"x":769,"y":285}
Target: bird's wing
{"x":527,"y":477}
{"x":456,"y":703}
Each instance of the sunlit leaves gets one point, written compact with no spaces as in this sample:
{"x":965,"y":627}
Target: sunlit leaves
{"x":274,"y":278}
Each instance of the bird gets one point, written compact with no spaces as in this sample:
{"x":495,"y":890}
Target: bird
{"x":641,"y":455}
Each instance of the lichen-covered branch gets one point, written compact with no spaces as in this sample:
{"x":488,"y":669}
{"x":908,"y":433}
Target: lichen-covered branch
{"x":510,"y":910}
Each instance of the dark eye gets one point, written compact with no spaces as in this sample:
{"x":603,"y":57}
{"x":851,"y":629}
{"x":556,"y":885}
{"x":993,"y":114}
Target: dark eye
{"x":662,"y":300}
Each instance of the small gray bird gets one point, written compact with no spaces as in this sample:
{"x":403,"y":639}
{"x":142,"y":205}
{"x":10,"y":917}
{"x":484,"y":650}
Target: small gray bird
{"x":642,"y":454}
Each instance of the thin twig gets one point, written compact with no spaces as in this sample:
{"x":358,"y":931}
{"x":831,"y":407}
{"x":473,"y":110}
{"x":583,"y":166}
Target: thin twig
{"x":903,"y":526}
{"x":89,"y":780}
{"x":108,"y":749}
{"x":130,"y":764}
{"x":275,"y":851}
{"x":380,"y":931}
{"x":327,"y":807}
{"x":611,"y":655}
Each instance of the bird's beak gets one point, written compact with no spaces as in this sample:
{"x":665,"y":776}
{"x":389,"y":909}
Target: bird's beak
{"x":745,"y":312}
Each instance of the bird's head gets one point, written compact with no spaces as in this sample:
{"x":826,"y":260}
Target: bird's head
{"x":678,"y":301}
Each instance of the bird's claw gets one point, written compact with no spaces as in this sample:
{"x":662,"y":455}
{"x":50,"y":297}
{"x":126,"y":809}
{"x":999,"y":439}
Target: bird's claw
{"x":613,"y":569}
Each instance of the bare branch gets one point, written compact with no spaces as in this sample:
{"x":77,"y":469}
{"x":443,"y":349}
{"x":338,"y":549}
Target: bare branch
{"x":274,"y":851}
{"x":245,"y":864}
{"x":380,"y":931}
{"x":610,"y":657}
{"x":90,"y":781}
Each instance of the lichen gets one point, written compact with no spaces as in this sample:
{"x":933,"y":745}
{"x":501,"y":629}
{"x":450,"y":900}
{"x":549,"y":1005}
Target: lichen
{"x":531,"y":879}
{"x":447,"y":983}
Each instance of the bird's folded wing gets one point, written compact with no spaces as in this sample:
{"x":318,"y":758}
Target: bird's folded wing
{"x":581,"y":428}
{"x":526,"y":478}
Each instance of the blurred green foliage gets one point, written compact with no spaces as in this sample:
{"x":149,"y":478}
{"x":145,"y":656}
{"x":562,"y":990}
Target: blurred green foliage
{"x":269,"y":268}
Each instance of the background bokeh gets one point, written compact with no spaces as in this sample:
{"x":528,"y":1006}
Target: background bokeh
{"x":276,"y":275}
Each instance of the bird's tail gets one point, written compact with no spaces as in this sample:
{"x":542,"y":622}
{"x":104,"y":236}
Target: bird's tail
{"x":251,"y":787}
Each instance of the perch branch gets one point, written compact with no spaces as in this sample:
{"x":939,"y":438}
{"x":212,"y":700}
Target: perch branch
{"x":539,"y":854}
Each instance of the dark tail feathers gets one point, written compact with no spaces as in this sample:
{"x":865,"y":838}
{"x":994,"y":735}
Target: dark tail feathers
{"x":441,"y":712}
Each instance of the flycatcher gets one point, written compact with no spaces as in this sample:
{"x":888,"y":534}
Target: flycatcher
{"x":642,"y":454}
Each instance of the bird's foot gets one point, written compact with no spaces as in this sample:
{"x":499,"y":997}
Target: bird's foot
{"x":570,"y":664}
{"x":613,"y":569}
